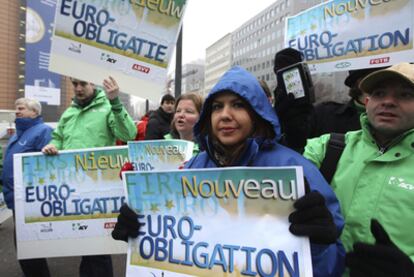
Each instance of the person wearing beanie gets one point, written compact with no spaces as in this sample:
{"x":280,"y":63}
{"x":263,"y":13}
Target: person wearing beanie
{"x":286,"y":57}
{"x":334,"y":117}
{"x":324,"y":118}
{"x":159,"y":122}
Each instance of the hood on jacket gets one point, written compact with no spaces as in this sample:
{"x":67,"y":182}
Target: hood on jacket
{"x":245,"y":85}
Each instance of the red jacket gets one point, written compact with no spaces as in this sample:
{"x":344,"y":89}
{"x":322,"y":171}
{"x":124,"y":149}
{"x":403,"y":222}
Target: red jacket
{"x":141,"y":129}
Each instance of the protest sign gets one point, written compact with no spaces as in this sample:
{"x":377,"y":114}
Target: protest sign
{"x":345,"y":34}
{"x":216,"y":222}
{"x":67,"y":204}
{"x":130,"y":40}
{"x":151,"y":155}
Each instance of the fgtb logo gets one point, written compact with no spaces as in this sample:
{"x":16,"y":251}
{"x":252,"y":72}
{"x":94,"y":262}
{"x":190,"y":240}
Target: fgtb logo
{"x":380,"y":60}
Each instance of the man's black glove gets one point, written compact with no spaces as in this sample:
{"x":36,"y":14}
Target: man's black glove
{"x":294,"y":119}
{"x":313,"y":219}
{"x":383,"y":259}
{"x":127,"y":224}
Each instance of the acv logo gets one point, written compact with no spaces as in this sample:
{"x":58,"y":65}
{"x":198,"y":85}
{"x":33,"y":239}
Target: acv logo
{"x":107,"y":58}
{"x":79,"y":226}
{"x":343,"y":65}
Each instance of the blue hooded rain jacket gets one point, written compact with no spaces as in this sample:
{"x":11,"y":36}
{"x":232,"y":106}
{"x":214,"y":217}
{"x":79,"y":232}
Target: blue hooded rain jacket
{"x":327,"y":260}
{"x":31,"y":136}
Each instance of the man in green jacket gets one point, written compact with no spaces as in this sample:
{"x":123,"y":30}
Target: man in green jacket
{"x":374,"y":178}
{"x":96,"y":118}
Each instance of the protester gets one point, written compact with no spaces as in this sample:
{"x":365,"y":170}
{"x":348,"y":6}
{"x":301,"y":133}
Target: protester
{"x":333,"y":117}
{"x":187,"y":112}
{"x":142,"y":126}
{"x":160,"y":120}
{"x":300,"y":122}
{"x":267,"y":91}
{"x":31,"y":135}
{"x":141,"y":129}
{"x":95,"y":119}
{"x":238,"y":127}
{"x":294,"y":120}
{"x":374,"y":178}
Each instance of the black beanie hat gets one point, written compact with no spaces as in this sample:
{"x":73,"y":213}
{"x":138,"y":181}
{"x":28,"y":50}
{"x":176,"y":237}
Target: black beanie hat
{"x":286,"y":57}
{"x":167,"y":97}
{"x":354,"y":75}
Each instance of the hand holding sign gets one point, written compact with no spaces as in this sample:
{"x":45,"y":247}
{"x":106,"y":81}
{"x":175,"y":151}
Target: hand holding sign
{"x":312,"y":218}
{"x":126,"y":225}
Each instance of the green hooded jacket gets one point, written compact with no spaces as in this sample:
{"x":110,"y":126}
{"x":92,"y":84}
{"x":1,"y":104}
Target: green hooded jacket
{"x":96,"y":125}
{"x":373,"y":183}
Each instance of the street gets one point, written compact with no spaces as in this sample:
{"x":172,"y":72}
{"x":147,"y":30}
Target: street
{"x":61,"y":267}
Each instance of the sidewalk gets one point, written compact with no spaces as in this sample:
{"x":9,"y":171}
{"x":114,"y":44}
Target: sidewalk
{"x":59,"y":267}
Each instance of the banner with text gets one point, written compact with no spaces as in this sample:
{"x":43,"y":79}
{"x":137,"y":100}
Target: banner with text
{"x":216,"y":222}
{"x":66,"y":205}
{"x":40,"y":83}
{"x":130,"y":40}
{"x":350,"y":34}
{"x":152,"y":155}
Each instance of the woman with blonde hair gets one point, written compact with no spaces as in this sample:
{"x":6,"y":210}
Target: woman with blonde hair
{"x":187,"y":112}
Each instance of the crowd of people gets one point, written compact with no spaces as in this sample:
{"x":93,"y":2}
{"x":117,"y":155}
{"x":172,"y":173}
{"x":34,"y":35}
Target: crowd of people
{"x":357,"y":215}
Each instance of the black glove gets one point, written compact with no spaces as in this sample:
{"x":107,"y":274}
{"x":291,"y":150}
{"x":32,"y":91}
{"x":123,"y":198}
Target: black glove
{"x":313,"y":219}
{"x":383,"y":259}
{"x":294,"y":119}
{"x":127,"y":224}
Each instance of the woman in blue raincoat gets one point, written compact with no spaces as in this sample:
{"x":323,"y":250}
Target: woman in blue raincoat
{"x":238,"y":127}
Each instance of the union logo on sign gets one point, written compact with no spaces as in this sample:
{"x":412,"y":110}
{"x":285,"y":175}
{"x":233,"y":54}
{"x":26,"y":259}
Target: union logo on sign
{"x":380,"y":60}
{"x":343,"y":65}
{"x":141,"y":68}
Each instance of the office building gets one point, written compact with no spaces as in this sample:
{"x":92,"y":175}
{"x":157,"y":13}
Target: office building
{"x":218,"y":61}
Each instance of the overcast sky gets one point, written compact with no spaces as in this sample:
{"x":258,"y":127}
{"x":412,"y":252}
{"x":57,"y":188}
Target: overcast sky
{"x":206,"y":21}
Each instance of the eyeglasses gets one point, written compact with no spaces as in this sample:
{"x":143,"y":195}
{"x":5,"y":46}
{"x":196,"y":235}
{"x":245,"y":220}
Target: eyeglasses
{"x":81,"y":83}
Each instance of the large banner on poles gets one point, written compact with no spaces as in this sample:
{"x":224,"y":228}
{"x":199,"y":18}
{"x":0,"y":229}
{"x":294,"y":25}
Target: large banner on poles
{"x":66,"y":205}
{"x":349,"y":34}
{"x":216,"y":222}
{"x":130,"y":40}
{"x":40,"y":83}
